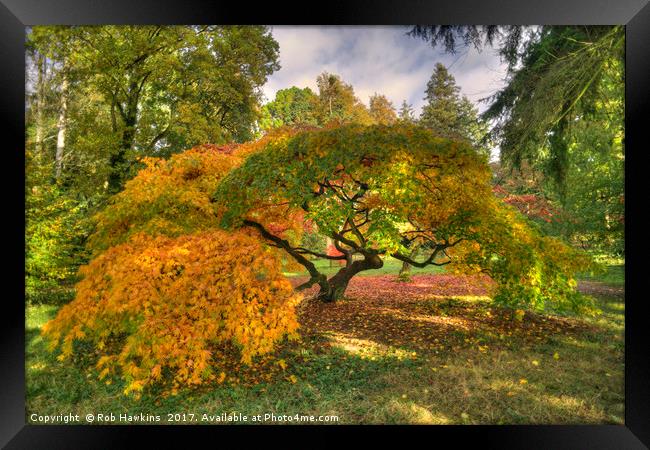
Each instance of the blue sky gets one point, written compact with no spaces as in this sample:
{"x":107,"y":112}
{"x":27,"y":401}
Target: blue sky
{"x":380,"y":59}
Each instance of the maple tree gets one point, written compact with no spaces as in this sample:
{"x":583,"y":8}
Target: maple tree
{"x":172,"y":299}
{"x":379,"y":191}
{"x":165,"y":285}
{"x":190,"y":255}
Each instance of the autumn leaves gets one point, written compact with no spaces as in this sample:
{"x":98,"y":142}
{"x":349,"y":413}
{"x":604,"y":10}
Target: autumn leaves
{"x":171,"y":299}
{"x":176,"y":270}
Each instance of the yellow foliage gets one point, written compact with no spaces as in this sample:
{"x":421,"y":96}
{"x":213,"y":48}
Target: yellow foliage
{"x":173,"y":298}
{"x":171,"y":197}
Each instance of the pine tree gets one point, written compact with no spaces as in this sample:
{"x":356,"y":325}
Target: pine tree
{"x":448,"y":113}
{"x":406,"y":113}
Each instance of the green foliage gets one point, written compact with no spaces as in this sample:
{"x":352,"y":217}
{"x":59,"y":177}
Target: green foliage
{"x":406,"y":113}
{"x":313,"y":240}
{"x":55,"y":233}
{"x":448,"y":114}
{"x":378,"y":190}
{"x":292,"y":106}
{"x":555,"y":85}
{"x":561,"y":114}
{"x":594,"y":200}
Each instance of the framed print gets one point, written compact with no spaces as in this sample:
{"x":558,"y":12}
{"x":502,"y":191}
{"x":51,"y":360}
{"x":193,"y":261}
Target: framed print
{"x":362,"y":213}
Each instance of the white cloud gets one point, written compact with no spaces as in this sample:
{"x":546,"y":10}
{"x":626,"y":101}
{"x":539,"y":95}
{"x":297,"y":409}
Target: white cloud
{"x":378,"y":59}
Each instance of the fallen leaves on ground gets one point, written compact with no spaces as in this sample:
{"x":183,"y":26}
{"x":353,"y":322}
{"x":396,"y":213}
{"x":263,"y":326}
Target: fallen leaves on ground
{"x":430,"y":314}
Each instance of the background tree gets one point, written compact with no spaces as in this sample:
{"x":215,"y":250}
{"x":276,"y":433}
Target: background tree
{"x":382,"y":110}
{"x":564,"y":88}
{"x":56,"y":218}
{"x":337,"y":102}
{"x":406,"y":113}
{"x":448,"y":114}
{"x":292,"y":106}
{"x":169,"y":88}
{"x":101,"y":97}
{"x":159,"y":89}
{"x":562,"y":69}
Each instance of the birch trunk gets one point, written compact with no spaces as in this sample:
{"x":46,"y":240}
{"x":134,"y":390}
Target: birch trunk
{"x":62,"y":126}
{"x":40,"y":105}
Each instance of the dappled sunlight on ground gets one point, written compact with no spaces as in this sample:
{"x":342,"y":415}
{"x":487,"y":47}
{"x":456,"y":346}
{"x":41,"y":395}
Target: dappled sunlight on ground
{"x":597,"y":288}
{"x":417,"y":414}
{"x":433,"y":351}
{"x":427,"y":314}
{"x":367,"y":349}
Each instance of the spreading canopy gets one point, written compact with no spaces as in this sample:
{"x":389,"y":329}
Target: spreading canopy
{"x":380,"y":190}
{"x":180,"y":264}
{"x":165,"y":289}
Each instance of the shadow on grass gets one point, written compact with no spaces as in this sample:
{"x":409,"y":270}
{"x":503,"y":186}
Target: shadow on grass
{"x":367,"y":385}
{"x":420,"y":360}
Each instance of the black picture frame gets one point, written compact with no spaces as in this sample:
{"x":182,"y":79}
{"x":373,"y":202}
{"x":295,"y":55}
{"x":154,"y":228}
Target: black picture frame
{"x":16,"y":14}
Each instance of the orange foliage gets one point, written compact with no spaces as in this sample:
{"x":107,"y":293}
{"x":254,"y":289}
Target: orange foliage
{"x":171,"y":197}
{"x":171,"y":299}
{"x":166,"y":284}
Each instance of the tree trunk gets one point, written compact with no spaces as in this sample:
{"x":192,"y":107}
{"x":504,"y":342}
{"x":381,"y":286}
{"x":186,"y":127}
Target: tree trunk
{"x":62,"y":126}
{"x":559,"y":150}
{"x":40,"y":105}
{"x":337,"y":285}
{"x":117,"y":160}
{"x":405,"y":271}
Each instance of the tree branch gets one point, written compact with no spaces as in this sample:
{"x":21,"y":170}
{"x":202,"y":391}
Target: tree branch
{"x":316,"y":276}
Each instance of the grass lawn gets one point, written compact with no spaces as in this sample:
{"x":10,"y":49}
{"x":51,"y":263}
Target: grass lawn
{"x":391,"y":266}
{"x":431,"y":351}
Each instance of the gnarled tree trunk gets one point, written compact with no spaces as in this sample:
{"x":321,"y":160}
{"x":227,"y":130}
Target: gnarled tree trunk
{"x":337,"y":285}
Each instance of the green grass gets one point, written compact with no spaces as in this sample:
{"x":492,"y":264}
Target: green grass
{"x":565,"y":378}
{"x":391,"y":266}
{"x":614,"y":275}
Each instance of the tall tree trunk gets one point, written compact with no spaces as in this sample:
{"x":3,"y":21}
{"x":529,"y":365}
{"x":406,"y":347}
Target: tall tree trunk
{"x":40,"y":106}
{"x":337,"y":285}
{"x":118,"y":159}
{"x":559,"y":152}
{"x":62,"y":126}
